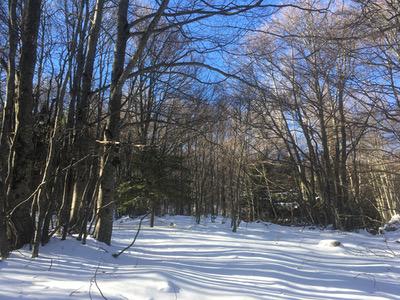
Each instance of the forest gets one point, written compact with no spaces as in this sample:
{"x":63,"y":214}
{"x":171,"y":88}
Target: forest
{"x":280,"y":111}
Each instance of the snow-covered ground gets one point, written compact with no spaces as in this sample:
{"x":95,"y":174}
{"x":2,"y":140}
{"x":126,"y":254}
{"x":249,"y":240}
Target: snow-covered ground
{"x":207,"y":261}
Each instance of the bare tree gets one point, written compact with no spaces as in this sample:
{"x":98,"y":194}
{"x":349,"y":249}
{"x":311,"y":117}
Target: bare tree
{"x":20,"y":173}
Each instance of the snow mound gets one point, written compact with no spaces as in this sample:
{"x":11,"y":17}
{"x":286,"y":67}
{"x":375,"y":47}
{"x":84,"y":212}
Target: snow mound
{"x":169,"y":287}
{"x":329,"y":243}
{"x":395,"y":219}
{"x":392,"y":225}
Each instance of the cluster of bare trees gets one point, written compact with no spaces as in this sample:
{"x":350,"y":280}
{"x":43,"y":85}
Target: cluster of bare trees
{"x":87,"y":81}
{"x":113,"y":105}
{"x":329,"y":95}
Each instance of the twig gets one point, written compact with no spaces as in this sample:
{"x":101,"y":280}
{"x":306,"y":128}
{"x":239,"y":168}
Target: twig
{"x":390,"y":249}
{"x":51,"y":264}
{"x":76,"y":291}
{"x":95,"y":282}
{"x":367,"y":275}
{"x":176,"y":294}
{"x":94,"y":279}
{"x":38,"y":188}
{"x":134,"y":240}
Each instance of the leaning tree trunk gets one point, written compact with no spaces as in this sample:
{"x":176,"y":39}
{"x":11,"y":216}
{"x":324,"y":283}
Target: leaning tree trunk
{"x":19,"y":189}
{"x":42,"y":198}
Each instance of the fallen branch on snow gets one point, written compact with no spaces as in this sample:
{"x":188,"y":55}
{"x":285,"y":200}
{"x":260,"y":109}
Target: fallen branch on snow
{"x":134,"y":240}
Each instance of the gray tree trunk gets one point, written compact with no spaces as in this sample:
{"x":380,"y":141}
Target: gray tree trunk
{"x":119,"y":75}
{"x":19,"y":189}
{"x":109,"y":160}
{"x":7,"y":123}
{"x":82,"y":133}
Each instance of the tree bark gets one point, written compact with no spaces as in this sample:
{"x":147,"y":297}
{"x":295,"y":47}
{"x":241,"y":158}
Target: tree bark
{"x":119,"y":75}
{"x":81,"y":128}
{"x":19,"y":189}
{"x":109,"y":161}
{"x":42,"y":199}
{"x":7,"y":123}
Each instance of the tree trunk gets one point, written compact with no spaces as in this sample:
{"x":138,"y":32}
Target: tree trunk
{"x":19,"y":189}
{"x":111,"y":135}
{"x":42,"y":199}
{"x":153,"y":214}
{"x":109,"y":161}
{"x":7,"y":123}
{"x":82,"y":142}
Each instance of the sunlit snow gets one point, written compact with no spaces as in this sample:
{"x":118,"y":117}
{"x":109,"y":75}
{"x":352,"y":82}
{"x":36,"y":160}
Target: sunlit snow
{"x":208,"y":261}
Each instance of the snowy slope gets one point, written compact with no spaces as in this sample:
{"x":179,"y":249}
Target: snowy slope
{"x":207,"y":261}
